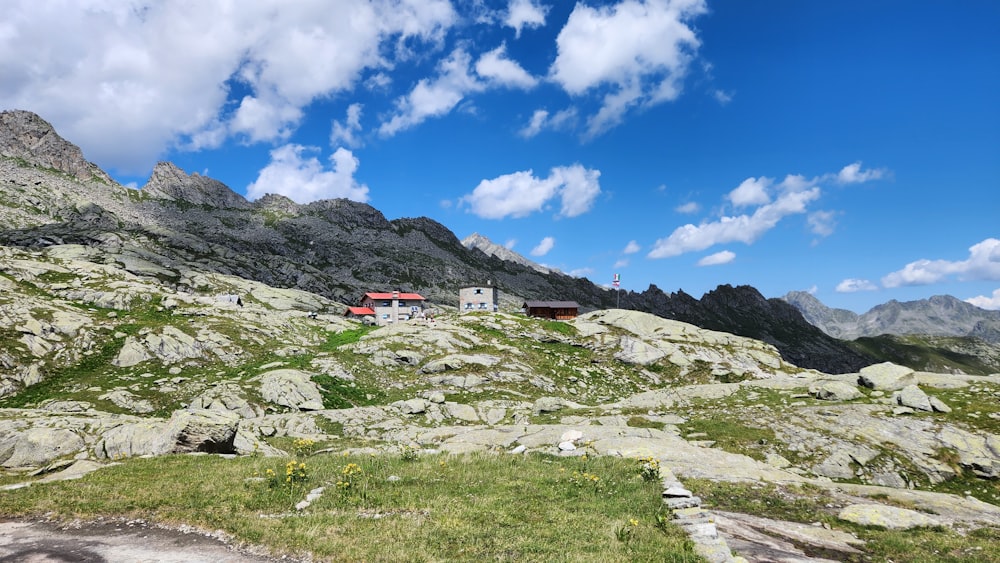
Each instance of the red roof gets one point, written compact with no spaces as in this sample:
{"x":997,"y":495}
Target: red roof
{"x":403,"y":296}
{"x":360,"y":311}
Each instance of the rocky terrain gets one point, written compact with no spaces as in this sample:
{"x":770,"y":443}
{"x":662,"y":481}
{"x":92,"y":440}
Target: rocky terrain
{"x":50,"y":195}
{"x":182,"y":318}
{"x":937,"y":334}
{"x":99,"y":363}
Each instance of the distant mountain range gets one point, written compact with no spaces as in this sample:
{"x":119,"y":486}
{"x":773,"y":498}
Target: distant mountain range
{"x":941,"y":315}
{"x":179,"y":225}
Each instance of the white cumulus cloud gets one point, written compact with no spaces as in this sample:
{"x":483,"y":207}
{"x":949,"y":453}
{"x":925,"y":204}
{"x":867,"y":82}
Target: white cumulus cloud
{"x":541,"y":120}
{"x":853,"y":174}
{"x":688,"y":208}
{"x":852,"y":285}
{"x":822,"y":223}
{"x":983,"y":302}
{"x":496,"y":67}
{"x":525,"y":13}
{"x":718,"y":258}
{"x":632,"y":247}
{"x":638,"y":49}
{"x":522,"y":193}
{"x":543,"y":247}
{"x":304,"y":179}
{"x":751,"y":192}
{"x":983,"y":264}
{"x":434,"y":98}
{"x":346,"y":133}
{"x":742,"y":228}
{"x":159,"y":74}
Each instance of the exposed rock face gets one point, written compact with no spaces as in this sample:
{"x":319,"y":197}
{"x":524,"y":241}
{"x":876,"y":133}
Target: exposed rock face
{"x":290,"y":388}
{"x":27,"y":136}
{"x":170,"y":182}
{"x":490,"y":248}
{"x":186,"y":431}
{"x":744,"y":311}
{"x":886,"y":377}
{"x":38,"y":446}
{"x":883,"y":516}
{"x":338,"y":249}
{"x":835,"y":391}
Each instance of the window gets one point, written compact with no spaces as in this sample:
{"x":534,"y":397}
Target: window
{"x":385,"y":316}
{"x":468,"y":305}
{"x":479,"y":291}
{"x":386,"y":304}
{"x":482,"y":305}
{"x":402,"y":303}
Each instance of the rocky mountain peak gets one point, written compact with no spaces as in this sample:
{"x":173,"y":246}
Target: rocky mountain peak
{"x":25,"y":135}
{"x":940,"y":315}
{"x":490,"y":248}
{"x":170,"y":182}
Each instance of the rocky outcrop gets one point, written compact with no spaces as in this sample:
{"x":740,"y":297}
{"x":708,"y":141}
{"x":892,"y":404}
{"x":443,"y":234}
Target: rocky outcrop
{"x":35,"y":447}
{"x":490,"y":248}
{"x":742,"y":310}
{"x":170,"y":182}
{"x":26,"y":136}
{"x":290,"y":388}
{"x":890,"y":517}
{"x":186,"y":431}
{"x":886,"y":377}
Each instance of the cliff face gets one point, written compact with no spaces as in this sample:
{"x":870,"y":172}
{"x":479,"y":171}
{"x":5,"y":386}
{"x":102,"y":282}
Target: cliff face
{"x":26,"y":136}
{"x":340,"y":249}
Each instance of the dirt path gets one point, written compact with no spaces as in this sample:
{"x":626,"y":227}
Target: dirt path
{"x":114,"y":541}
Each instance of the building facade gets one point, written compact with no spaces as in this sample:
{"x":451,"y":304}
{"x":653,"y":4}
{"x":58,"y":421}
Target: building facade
{"x":484,"y":298}
{"x":558,"y":310}
{"x":388,"y":308}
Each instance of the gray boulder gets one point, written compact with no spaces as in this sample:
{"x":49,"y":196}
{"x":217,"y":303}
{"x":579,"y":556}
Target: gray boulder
{"x":835,"y":391}
{"x":38,"y":446}
{"x":291,"y":388}
{"x":547,"y":404}
{"x":186,"y":431}
{"x":635,"y":351}
{"x":412,"y":406}
{"x":886,"y":376}
{"x":939,"y":406}
{"x":885,"y":516}
{"x":125,"y":400}
{"x":226,"y":397}
{"x":913,"y":397}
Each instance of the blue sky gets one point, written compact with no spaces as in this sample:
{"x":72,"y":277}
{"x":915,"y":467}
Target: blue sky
{"x":848,"y":148}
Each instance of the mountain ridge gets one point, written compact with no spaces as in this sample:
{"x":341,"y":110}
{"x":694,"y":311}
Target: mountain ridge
{"x":186,"y":223}
{"x":939,"y":315}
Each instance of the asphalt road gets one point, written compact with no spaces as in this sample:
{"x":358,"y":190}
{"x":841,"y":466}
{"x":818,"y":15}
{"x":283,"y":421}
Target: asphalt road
{"x":114,"y":542}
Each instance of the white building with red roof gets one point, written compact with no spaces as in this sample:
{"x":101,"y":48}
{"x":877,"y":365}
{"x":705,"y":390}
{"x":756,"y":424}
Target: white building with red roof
{"x":391,"y":307}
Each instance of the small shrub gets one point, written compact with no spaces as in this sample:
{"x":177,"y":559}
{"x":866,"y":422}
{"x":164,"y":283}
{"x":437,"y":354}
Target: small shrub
{"x":649,"y":469}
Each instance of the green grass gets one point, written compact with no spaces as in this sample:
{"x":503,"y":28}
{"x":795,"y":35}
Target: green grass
{"x":461,"y":508}
{"x":563,"y":328}
{"x":337,"y":339}
{"x":927,"y":353}
{"x":731,"y":436}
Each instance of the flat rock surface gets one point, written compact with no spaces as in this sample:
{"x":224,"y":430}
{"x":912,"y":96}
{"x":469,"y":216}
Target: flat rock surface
{"x":98,"y":542}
